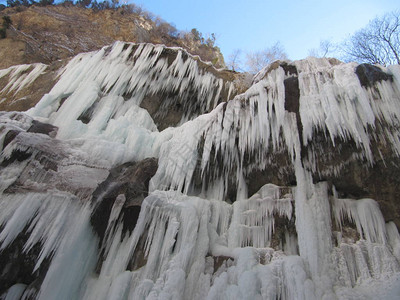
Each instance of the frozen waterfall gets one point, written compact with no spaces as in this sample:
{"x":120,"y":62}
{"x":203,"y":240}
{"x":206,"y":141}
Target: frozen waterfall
{"x":239,"y":197}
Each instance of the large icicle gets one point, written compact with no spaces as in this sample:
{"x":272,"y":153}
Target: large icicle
{"x":61,"y":226}
{"x":253,"y":218}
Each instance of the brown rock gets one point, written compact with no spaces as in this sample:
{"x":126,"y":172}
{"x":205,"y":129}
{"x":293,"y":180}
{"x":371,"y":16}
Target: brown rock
{"x":47,"y":34}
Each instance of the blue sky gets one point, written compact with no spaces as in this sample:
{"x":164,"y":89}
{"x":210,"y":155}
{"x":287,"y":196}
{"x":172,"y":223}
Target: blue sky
{"x":253,"y":25}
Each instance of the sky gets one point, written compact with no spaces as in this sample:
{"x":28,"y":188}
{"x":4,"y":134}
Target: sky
{"x":254,"y":25}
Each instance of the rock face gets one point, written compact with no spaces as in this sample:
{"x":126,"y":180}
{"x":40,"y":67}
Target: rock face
{"x":167,"y":99}
{"x":48,"y":34}
{"x":370,"y":75}
{"x":357,"y":178}
{"x":141,"y":174}
{"x":129,"y":182}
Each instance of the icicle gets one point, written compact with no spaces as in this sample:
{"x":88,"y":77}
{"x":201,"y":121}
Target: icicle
{"x":21,"y":77}
{"x":366,"y":215}
{"x":253,"y":218}
{"x":73,"y":261}
{"x":394,"y":239}
{"x":61,"y":226}
{"x":15,"y":292}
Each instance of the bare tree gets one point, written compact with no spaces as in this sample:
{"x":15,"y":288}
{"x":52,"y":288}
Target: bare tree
{"x":377,"y":43}
{"x":234,"y":62}
{"x":255,"y":61}
{"x":325,"y":47}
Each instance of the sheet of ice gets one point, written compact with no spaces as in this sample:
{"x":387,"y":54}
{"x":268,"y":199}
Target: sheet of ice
{"x":59,"y":223}
{"x":74,"y":259}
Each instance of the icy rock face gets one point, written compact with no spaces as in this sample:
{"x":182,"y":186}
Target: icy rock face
{"x":170,"y":83}
{"x":270,"y":195}
{"x":119,"y":199}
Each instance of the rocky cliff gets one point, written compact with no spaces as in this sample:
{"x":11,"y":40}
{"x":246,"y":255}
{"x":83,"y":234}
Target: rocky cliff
{"x":47,"y":34}
{"x":143,"y":173}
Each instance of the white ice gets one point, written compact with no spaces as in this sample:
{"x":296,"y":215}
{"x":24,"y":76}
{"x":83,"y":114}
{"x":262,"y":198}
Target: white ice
{"x":195,"y":245}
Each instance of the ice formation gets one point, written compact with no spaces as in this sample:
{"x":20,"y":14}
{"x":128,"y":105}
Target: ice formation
{"x":196,"y":237}
{"x":21,"y":76}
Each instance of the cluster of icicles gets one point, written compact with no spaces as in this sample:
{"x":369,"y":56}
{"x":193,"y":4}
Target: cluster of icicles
{"x":196,"y":245}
